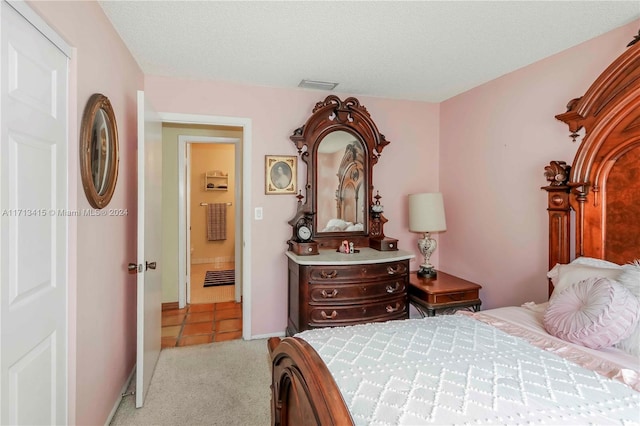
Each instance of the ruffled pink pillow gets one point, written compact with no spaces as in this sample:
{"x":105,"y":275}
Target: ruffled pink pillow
{"x":596,"y":313}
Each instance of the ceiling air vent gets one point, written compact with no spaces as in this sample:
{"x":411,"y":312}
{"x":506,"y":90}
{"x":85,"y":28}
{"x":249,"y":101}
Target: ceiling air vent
{"x":318,"y":85}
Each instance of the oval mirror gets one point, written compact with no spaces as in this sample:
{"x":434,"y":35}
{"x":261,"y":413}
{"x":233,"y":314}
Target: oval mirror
{"x":341,"y":199}
{"x":99,"y":151}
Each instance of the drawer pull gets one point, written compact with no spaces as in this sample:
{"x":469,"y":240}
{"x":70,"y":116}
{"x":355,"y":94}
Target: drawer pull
{"x":391,"y":309}
{"x":324,"y":315}
{"x":331,"y":274}
{"x":326,"y":295}
{"x":393,"y":289}
{"x":393,"y":271}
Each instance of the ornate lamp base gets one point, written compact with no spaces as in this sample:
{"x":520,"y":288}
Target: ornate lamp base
{"x":427,"y":272}
{"x":427,"y":245}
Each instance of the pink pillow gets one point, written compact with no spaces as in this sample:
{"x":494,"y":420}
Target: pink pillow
{"x":562,"y":276}
{"x":596,"y":313}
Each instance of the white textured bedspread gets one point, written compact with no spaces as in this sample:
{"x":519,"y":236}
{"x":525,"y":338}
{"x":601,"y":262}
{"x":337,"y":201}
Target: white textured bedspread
{"x":457,"y":370}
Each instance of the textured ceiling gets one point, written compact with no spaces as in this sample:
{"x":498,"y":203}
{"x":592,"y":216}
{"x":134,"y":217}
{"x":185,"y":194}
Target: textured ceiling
{"x":418,"y":50}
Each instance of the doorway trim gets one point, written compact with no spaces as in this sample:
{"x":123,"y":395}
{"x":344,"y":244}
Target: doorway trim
{"x":245,"y":183}
{"x":184,"y":211}
{"x":23,"y":8}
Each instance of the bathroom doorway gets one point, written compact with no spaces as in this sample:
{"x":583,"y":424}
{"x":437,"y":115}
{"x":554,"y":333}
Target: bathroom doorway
{"x":210,"y":214}
{"x":211,"y":224}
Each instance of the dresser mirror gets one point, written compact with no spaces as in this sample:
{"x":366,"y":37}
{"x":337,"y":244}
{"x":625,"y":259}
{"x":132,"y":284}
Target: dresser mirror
{"x":341,"y":193}
{"x":340,"y":144}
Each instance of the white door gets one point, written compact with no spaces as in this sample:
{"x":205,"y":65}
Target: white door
{"x":33,"y":251}
{"x":187,"y":172}
{"x":149,"y":245}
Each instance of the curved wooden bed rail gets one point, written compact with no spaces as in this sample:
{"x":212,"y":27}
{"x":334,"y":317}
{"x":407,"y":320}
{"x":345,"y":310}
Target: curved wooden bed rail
{"x":303,"y":391}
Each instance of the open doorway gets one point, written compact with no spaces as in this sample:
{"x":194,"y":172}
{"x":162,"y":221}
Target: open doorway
{"x":211,"y":221}
{"x":190,"y":130}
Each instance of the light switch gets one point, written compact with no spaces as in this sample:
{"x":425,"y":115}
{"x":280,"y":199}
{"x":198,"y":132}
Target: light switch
{"x":258,"y":213}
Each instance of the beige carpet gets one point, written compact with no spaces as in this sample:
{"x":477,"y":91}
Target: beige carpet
{"x":224,"y":383}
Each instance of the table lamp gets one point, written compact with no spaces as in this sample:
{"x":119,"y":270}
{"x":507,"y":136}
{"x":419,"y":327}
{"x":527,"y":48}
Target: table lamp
{"x":426,"y":215}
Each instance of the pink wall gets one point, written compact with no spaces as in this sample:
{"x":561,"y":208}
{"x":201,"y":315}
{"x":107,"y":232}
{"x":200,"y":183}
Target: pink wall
{"x":102,"y":308}
{"x":495,"y":141}
{"x":411,"y":127}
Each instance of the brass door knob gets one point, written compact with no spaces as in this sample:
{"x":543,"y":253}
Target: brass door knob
{"x":151,"y":265}
{"x":132,"y":268}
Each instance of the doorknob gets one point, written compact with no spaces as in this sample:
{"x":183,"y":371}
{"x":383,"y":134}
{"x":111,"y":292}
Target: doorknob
{"x":151,"y":265}
{"x":132,"y":268}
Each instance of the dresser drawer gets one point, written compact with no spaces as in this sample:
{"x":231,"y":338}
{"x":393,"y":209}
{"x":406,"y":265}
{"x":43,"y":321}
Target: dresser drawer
{"x":325,"y":316}
{"x":320,"y":274}
{"x":347,"y":293}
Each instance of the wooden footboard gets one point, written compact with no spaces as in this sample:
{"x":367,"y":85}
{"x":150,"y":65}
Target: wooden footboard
{"x":303,"y":391}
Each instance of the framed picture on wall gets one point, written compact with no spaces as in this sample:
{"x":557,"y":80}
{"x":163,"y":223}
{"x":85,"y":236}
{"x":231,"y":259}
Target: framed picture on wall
{"x":280,"y":174}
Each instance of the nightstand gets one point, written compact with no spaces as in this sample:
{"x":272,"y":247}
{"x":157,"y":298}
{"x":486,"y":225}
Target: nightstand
{"x":443,"y":294}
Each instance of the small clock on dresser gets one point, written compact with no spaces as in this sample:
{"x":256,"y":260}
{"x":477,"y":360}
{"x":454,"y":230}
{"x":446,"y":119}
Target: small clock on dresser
{"x":303,"y":232}
{"x":301,"y":242}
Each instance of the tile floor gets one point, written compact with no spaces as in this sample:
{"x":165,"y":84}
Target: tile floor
{"x":201,"y":323}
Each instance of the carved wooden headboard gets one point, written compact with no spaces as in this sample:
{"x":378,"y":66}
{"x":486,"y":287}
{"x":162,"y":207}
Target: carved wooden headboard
{"x":602,"y":186}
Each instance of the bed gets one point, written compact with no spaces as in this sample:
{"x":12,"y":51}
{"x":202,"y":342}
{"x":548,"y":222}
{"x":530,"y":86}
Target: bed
{"x":554,"y":363}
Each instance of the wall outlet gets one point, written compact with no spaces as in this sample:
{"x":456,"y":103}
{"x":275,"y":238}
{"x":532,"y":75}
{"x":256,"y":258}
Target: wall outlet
{"x":258,"y":213}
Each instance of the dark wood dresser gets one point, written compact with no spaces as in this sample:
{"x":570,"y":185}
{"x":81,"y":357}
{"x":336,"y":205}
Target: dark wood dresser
{"x":335,"y":289}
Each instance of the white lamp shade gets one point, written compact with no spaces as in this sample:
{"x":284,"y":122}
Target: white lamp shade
{"x":426,"y":212}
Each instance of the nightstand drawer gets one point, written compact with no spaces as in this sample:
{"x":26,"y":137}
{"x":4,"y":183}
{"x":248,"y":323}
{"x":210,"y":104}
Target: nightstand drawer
{"x":348,"y":293}
{"x":334,"y":315}
{"x":320,"y":274}
{"x":453,"y":297}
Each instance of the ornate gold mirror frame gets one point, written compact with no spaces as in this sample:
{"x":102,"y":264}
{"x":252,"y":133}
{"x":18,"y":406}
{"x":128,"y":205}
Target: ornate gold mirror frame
{"x":99,"y":154}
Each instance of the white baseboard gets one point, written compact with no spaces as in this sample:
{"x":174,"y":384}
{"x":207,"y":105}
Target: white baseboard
{"x":119,"y":399}
{"x":266,"y":336}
